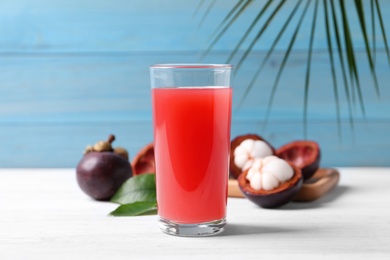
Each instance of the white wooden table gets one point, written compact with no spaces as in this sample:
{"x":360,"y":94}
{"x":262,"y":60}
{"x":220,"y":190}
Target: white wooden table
{"x":44,"y":215}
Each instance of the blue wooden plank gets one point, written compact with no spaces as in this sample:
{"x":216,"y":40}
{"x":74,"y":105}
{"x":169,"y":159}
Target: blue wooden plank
{"x":61,"y":145}
{"x":98,"y":88}
{"x":52,"y":106}
{"x":122,"y":25}
{"x":72,"y":72}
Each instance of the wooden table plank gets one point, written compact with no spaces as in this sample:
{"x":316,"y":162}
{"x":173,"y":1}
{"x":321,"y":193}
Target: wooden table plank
{"x":44,"y":215}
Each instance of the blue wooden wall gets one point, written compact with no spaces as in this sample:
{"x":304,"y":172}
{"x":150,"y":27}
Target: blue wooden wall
{"x":72,"y":72}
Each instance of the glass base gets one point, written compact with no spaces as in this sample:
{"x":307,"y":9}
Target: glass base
{"x":192,"y":230}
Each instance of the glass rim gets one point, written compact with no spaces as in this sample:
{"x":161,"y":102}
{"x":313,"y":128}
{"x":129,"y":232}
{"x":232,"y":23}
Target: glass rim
{"x":190,"y":66}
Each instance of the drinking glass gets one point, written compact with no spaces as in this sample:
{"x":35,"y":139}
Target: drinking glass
{"x":191,"y":120}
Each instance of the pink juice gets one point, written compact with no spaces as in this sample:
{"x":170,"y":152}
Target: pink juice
{"x":192,"y":145}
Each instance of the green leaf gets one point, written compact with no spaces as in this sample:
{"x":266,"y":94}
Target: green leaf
{"x":360,"y":12}
{"x":201,"y":2}
{"x":372,"y":9}
{"x":138,"y":188}
{"x":268,"y":55}
{"x":207,"y":12}
{"x":229,"y":15}
{"x":284,"y":61}
{"x":332,"y":67}
{"x":227,"y":25}
{"x":351,"y":55}
{"x":344,"y":53}
{"x":254,"y":22}
{"x":378,"y":10}
{"x":136,"y":209}
{"x":307,"y":78}
{"x":258,"y":35}
{"x":342,"y":63}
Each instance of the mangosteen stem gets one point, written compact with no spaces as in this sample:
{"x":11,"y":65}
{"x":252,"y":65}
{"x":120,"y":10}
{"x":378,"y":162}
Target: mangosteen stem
{"x":111,"y":138}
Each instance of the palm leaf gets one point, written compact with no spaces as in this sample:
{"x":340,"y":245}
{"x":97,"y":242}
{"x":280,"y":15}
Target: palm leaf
{"x":235,"y":10}
{"x":343,"y":38}
{"x":378,"y":10}
{"x":200,"y":4}
{"x":342,"y":63}
{"x":373,"y":30}
{"x":228,"y":22}
{"x":332,"y":67}
{"x":307,"y":79}
{"x":207,"y":11}
{"x":254,"y":22}
{"x":282,"y":65}
{"x":269,"y":52}
{"x":352,"y":65}
{"x":360,"y":10}
{"x":258,"y":35}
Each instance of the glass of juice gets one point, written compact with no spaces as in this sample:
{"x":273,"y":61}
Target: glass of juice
{"x":191,"y":118}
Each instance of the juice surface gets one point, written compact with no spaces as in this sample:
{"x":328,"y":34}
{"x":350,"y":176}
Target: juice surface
{"x":192,"y":145}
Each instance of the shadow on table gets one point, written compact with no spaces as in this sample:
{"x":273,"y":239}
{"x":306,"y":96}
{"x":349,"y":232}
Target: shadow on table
{"x":245,"y":229}
{"x":333,"y":195}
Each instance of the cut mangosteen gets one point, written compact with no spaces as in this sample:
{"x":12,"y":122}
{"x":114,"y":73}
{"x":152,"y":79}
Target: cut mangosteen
{"x":144,"y":161}
{"x":244,"y":149}
{"x":303,"y":154}
{"x":268,"y":196}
